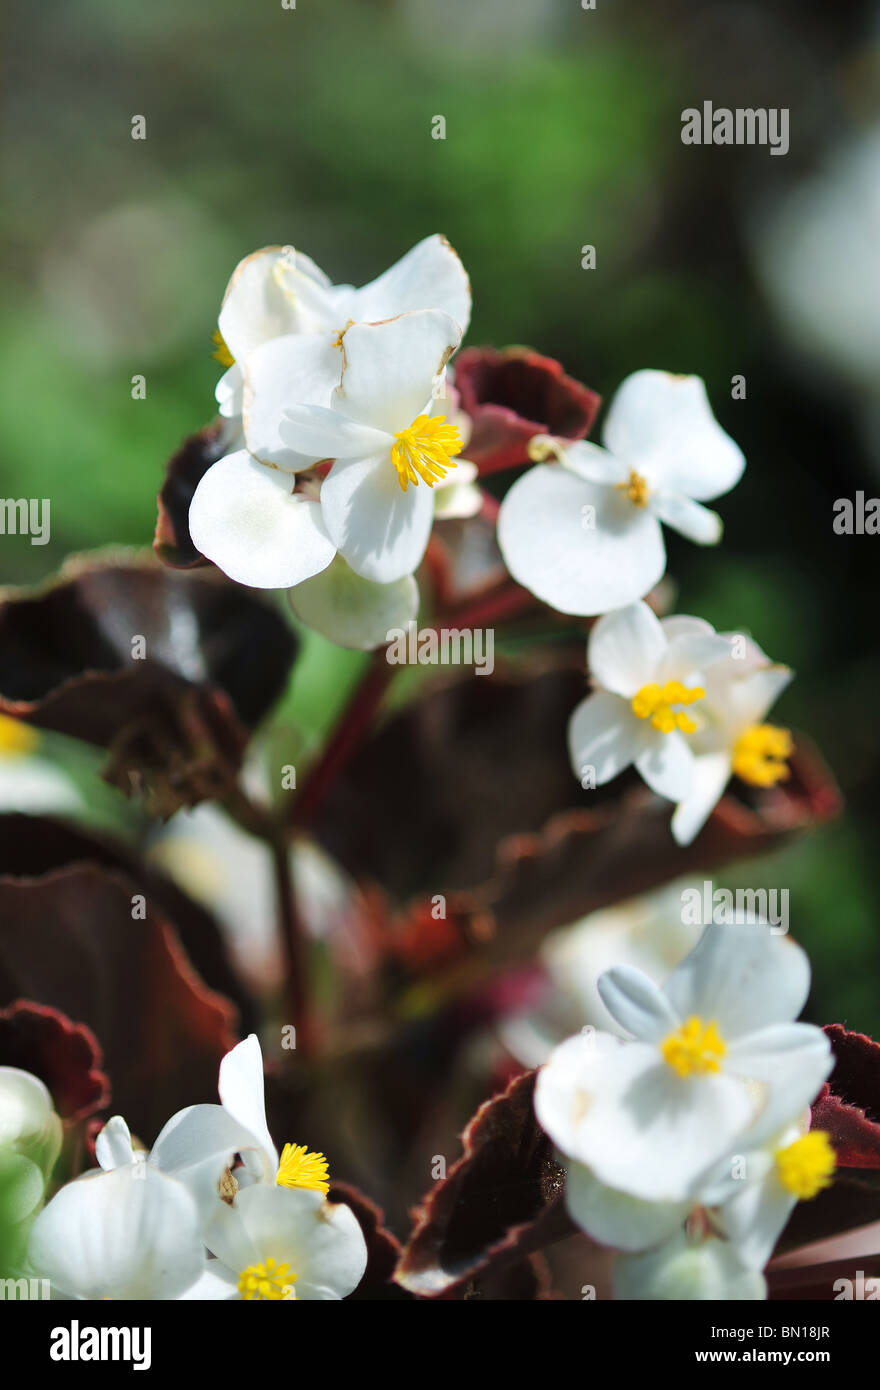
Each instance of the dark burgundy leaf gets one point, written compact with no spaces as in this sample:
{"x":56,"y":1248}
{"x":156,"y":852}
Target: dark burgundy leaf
{"x":64,"y":1055}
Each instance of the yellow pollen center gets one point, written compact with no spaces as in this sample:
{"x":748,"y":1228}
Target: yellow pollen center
{"x":16,"y":738}
{"x":300,"y":1168}
{"x":760,"y":754}
{"x":636,"y":489}
{"x":694,"y":1049}
{"x":425,"y":450}
{"x":807,"y":1165}
{"x":270,"y":1281}
{"x":656,"y":703}
{"x":221,"y":352}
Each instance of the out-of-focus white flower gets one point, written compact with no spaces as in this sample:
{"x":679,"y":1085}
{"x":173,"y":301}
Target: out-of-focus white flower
{"x":732,"y":740}
{"x":277,"y":1244}
{"x":352,"y":611}
{"x":131,"y":1233}
{"x":647,"y":933}
{"x":457,"y":495}
{"x":648,"y":676}
{"x":687,"y":1267}
{"x":711,"y":1059}
{"x":586,"y":536}
{"x":30,"y":1142}
{"x":29,"y":782}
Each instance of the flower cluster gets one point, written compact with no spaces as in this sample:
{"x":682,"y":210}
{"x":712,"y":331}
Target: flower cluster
{"x":211,"y":1212}
{"x":685,"y":1133}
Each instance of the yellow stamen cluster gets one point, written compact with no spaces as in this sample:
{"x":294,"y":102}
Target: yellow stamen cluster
{"x":299,"y":1168}
{"x":424,"y":450}
{"x":16,"y":737}
{"x":636,"y":489}
{"x":807,"y":1165}
{"x":221,"y":352}
{"x":270,"y":1282}
{"x":656,"y":702}
{"x":694,"y":1049}
{"x":759,"y":756}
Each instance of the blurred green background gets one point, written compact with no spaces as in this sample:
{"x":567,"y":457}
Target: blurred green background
{"x":312,"y":126}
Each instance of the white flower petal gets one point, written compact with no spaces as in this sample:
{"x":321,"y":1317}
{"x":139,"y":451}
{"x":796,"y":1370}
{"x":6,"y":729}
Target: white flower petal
{"x":298,"y":369}
{"x":593,"y":463}
{"x":743,"y":976}
{"x":321,"y":432}
{"x":581,"y":548}
{"x":603,"y":735}
{"x":665,"y":424}
{"x":353,"y":611}
{"x":755,"y":1218}
{"x":271,"y":293}
{"x":242,"y":1091}
{"x":637,"y":1004}
{"x":131,"y":1234}
{"x":667,"y":765}
{"x":626,"y":648}
{"x":381,"y":530}
{"x":711,"y":774}
{"x":390,"y":368}
{"x":229,"y":391}
{"x":113,"y":1146}
{"x":690,"y":518}
{"x":790,"y":1061}
{"x":429,"y":276}
{"x":247,"y":519}
{"x":198,"y":1144}
{"x":679,"y":1271}
{"x":616,"y":1219}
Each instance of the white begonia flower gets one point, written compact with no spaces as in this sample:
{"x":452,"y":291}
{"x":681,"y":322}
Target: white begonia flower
{"x":277,"y":1244}
{"x":711,"y":1059}
{"x":647,"y":676}
{"x":755,"y":1192}
{"x":586,"y":536}
{"x":280,"y":328}
{"x":389,"y":439}
{"x":646,"y":932}
{"x":131,"y":1233}
{"x":732,"y":738}
{"x":265,"y":529}
{"x":199,"y":1144}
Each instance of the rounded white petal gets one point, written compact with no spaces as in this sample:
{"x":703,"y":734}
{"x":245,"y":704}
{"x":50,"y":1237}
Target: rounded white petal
{"x":626,"y":648}
{"x":429,"y":276}
{"x":113,"y":1146}
{"x":710,"y":775}
{"x":353,"y":611}
{"x":592,"y":463}
{"x":667,"y":765}
{"x":381,"y":530}
{"x":28,"y":1122}
{"x":321,"y":432}
{"x":637,"y":1004}
{"x":560,"y":1089}
{"x":131,"y":1234}
{"x":664,"y":427}
{"x":229,"y":391}
{"x":789,"y":1062}
{"x":295,"y":370}
{"x":247,"y":519}
{"x":272,"y":292}
{"x":603,"y":736}
{"x":390,"y":368}
{"x":241,"y":1088}
{"x":755,"y":1218}
{"x":582,"y":548}
{"x":744,"y":976}
{"x":690,"y":518}
{"x":680,"y":1271}
{"x":320,"y":1241}
{"x":614,"y":1218}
